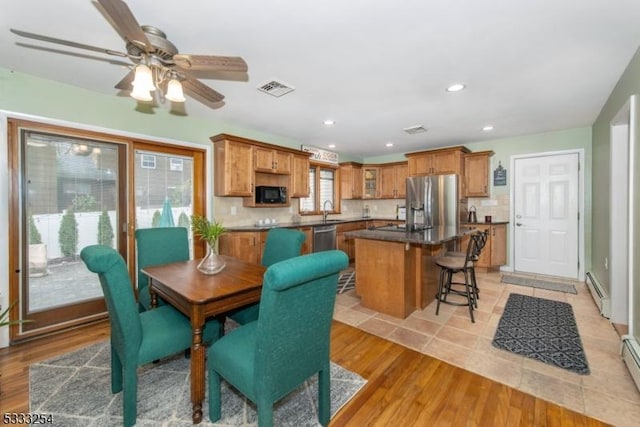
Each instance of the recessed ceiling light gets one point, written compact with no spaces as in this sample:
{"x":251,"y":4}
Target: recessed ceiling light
{"x":329,"y":122}
{"x":487,"y":128}
{"x":389,"y":144}
{"x":332,"y":145}
{"x":456,"y":87}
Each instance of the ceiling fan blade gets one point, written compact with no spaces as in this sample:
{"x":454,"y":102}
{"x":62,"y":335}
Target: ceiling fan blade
{"x":209,"y":62}
{"x":67,"y":43}
{"x":125,"y":22}
{"x":202,"y":92}
{"x":125,"y":83}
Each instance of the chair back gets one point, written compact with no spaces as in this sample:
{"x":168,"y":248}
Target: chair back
{"x":281,"y":244}
{"x":156,"y":246}
{"x":126,"y":328}
{"x":480,"y":240}
{"x":294,"y":324}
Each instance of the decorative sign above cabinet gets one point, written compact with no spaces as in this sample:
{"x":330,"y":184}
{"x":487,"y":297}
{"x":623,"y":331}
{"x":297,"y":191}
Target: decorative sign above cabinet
{"x":320,"y":155}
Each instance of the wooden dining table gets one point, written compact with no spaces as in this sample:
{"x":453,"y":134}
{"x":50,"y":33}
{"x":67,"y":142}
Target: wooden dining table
{"x":200,"y":296}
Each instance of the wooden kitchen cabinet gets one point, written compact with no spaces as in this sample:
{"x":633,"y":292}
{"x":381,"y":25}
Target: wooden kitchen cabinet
{"x":393,"y":180}
{"x":494,"y":253}
{"x":300,"y":176}
{"x":233,"y":175}
{"x":272,"y":161}
{"x":477,"y":174}
{"x":348,"y":245}
{"x":437,"y":162}
{"x":307,"y":245}
{"x":351,"y":183}
{"x":370,"y":176}
{"x":244,"y":245}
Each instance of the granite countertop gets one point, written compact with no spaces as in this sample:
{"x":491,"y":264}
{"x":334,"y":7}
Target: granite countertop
{"x":484,"y":223}
{"x":318,"y":222}
{"x":433,"y":236}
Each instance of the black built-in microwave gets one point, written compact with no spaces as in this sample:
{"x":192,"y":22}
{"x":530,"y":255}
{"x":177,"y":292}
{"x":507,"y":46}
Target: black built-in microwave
{"x":265,"y":194}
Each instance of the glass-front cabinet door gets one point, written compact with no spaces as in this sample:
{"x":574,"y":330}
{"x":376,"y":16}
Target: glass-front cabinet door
{"x":370,"y":177}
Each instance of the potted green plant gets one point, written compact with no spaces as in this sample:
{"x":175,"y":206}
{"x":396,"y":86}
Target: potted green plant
{"x":4,"y":317}
{"x":210,"y":232}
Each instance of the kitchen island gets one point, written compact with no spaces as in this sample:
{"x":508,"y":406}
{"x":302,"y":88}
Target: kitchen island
{"x":395,"y":269}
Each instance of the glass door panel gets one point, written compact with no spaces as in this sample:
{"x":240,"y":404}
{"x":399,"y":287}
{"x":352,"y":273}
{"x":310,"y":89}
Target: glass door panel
{"x":69,"y":200}
{"x":164,"y":190}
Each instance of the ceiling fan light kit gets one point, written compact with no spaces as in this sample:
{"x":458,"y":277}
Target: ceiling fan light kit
{"x":174,"y":91}
{"x":157,"y":62}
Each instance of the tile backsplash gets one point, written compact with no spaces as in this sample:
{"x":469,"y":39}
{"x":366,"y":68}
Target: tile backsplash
{"x":497,"y":207}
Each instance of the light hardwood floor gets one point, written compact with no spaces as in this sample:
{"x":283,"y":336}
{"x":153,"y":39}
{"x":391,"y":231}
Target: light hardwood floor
{"x":404,"y":388}
{"x":608,"y":393}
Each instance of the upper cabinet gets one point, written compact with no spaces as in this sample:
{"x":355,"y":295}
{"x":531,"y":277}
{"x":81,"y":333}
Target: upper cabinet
{"x":393,"y":177}
{"x":233,"y":174}
{"x":477,"y":174}
{"x":371,"y":179}
{"x":437,"y":162}
{"x":300,"y":176}
{"x":351,"y":180}
{"x":243,"y":164}
{"x":272,"y":161}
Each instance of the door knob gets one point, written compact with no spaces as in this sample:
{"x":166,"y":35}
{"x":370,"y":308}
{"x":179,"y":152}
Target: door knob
{"x":518,"y":224}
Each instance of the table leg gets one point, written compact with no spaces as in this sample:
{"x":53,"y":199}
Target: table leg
{"x":197,"y":364}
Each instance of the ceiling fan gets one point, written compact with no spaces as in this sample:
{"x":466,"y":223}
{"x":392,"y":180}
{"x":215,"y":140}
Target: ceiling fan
{"x":158,"y":66}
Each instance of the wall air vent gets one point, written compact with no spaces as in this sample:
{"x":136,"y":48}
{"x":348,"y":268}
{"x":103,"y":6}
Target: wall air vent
{"x":275,"y":88}
{"x":412,"y":130}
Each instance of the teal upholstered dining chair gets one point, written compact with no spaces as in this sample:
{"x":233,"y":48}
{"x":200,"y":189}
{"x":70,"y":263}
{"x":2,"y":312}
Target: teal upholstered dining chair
{"x":136,"y":338}
{"x":269,"y":358}
{"x":156,"y":246}
{"x":281,"y":244}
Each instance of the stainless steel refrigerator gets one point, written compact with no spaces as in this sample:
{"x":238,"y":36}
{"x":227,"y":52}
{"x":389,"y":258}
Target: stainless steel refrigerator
{"x":432,"y":201}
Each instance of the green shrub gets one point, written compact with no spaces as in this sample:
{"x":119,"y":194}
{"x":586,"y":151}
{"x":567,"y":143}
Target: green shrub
{"x":34,"y":235}
{"x":155,"y":221}
{"x":183,"y":220}
{"x":68,"y":234}
{"x":105,"y":230}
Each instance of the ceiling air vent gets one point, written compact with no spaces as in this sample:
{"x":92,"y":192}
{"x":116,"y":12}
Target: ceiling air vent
{"x":412,"y":130}
{"x":275,"y":88}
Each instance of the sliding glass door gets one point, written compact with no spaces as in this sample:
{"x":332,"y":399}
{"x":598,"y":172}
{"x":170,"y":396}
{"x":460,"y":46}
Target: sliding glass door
{"x":70,"y":188}
{"x":69,"y":198}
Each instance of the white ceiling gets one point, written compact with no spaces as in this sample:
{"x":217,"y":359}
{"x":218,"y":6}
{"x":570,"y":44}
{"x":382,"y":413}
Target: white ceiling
{"x":373,"y":66}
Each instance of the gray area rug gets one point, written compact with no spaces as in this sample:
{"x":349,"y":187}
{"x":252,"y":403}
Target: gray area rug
{"x":543,"y":330}
{"x":540,"y":284}
{"x":76,"y":389}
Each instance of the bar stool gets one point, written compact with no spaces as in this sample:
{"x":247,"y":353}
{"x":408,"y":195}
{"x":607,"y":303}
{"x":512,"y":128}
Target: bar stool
{"x":480,"y":241}
{"x":450,"y":265}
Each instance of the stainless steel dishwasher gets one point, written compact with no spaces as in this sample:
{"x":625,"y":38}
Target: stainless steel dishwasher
{"x":324,"y":237}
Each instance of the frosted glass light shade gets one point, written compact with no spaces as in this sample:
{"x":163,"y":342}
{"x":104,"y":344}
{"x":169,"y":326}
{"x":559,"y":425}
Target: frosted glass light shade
{"x":174,"y":91}
{"x":143,"y":78}
{"x":140,"y":93}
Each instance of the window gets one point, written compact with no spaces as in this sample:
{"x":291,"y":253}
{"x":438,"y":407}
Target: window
{"x":322,"y":183}
{"x":175,"y":164}
{"x":148,"y":161}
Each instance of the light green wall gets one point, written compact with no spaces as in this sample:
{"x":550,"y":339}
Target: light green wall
{"x":22,"y":93}
{"x":25,"y":94}
{"x":629,"y":84}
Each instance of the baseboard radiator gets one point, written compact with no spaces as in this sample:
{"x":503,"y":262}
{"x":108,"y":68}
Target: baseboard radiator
{"x":599,"y":295}
{"x":631,"y":357}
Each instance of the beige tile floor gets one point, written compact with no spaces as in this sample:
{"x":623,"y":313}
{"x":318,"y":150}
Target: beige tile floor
{"x":608,"y":393}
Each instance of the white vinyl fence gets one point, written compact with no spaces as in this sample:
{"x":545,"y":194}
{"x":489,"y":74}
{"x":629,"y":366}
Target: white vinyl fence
{"x":49,"y":226}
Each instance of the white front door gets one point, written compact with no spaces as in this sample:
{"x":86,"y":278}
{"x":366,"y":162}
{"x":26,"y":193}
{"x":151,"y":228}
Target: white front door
{"x":546,"y":201}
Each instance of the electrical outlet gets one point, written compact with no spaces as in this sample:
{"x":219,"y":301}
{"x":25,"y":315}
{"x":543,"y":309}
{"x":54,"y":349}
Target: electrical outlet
{"x":234,"y":210}
{"x":606,"y":263}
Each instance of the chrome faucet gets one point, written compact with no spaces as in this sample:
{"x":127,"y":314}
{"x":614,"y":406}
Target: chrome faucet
{"x":324,"y":209}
